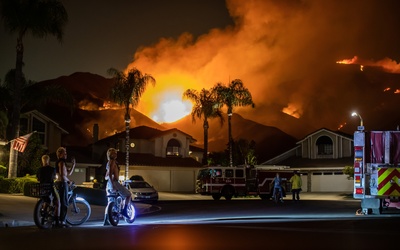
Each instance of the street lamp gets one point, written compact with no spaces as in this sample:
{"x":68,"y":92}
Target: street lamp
{"x":361,"y":127}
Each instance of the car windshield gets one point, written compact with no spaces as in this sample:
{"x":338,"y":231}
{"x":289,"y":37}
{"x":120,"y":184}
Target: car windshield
{"x":136,"y":184}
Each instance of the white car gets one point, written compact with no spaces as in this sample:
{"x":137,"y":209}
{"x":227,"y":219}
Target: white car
{"x":142,"y":191}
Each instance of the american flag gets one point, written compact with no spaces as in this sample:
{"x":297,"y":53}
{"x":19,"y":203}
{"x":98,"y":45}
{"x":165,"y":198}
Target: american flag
{"x":20,"y":143}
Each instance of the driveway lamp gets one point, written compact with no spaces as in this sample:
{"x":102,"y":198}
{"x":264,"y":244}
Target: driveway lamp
{"x":361,"y":127}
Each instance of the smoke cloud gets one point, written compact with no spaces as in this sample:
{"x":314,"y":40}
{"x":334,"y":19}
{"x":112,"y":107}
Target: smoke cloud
{"x":285,"y":52}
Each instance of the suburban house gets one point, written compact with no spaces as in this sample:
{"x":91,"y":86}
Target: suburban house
{"x":49,"y":131}
{"x":168,"y":160}
{"x":164,"y":158}
{"x":321,"y":157}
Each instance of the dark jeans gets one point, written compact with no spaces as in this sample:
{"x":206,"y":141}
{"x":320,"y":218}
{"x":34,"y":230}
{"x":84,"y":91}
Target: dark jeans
{"x":296,"y":194}
{"x":63,"y":189}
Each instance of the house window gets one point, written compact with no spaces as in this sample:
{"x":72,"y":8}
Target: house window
{"x":229,"y":173}
{"x":40,"y":128}
{"x":173,"y":147}
{"x":325,"y":146}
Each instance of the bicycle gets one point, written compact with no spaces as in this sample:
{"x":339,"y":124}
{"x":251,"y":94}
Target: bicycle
{"x":278,"y":195}
{"x":115,"y":207}
{"x":45,"y":209}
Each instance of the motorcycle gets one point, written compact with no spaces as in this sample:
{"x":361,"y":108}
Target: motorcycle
{"x":45,"y":210}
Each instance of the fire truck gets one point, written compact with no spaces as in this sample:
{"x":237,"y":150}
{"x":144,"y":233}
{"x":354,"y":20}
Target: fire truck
{"x":376,"y":170}
{"x":241,"y":181}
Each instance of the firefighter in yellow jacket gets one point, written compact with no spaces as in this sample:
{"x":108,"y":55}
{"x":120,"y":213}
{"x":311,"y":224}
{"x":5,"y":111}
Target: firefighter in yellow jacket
{"x":296,"y":186}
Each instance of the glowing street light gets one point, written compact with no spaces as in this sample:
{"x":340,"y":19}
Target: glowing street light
{"x":361,"y":127}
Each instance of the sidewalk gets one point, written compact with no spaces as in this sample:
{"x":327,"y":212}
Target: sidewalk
{"x":303,"y":196}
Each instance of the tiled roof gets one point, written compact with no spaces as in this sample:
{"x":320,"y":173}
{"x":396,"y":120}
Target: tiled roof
{"x":151,"y":160}
{"x":145,"y":133}
{"x":195,"y":148}
{"x":83,"y":156}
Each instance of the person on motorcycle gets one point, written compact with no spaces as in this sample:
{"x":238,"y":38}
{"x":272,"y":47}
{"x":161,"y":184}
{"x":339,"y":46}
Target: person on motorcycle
{"x":63,"y":182}
{"x":112,"y":177}
{"x":46,"y":175}
{"x":277,"y":184}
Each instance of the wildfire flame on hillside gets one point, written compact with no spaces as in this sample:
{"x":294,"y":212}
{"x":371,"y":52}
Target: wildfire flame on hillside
{"x":292,"y":110}
{"x":386,"y":64}
{"x":266,"y":50}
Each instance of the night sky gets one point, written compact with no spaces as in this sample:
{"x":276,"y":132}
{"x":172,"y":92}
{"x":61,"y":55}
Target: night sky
{"x":284,"y":51}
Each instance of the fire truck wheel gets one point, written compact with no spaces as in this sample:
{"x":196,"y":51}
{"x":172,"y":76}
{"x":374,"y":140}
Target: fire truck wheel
{"x":216,"y":197}
{"x":228,"y":192}
{"x":228,"y":197}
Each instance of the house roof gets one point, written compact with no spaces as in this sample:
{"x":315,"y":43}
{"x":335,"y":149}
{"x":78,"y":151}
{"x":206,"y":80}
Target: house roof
{"x":83,"y":156}
{"x":145,"y":133}
{"x":340,"y":133}
{"x":44,"y":117}
{"x":137,"y":159}
{"x":299,"y":162}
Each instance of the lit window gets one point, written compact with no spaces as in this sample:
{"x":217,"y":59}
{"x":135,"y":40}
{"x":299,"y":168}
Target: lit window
{"x":173,"y":148}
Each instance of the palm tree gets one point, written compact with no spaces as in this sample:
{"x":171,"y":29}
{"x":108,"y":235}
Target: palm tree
{"x":206,"y":106}
{"x":247,"y":151}
{"x":3,"y":124}
{"x":40,"y":18}
{"x":127,"y":90}
{"x":233,"y":95}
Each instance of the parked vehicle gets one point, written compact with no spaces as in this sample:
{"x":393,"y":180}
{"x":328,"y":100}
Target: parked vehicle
{"x":44,"y":213}
{"x":115,"y":207}
{"x":376,"y":170}
{"x":240,"y":181}
{"x":136,"y":178}
{"x":142,"y":191}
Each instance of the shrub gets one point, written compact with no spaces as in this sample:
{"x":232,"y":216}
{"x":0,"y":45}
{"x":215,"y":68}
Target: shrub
{"x":15,"y":185}
{"x":349,"y":170}
{"x":5,"y":185}
{"x":3,"y":171}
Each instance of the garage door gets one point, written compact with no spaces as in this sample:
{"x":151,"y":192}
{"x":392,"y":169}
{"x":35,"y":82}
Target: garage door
{"x":330,"y":182}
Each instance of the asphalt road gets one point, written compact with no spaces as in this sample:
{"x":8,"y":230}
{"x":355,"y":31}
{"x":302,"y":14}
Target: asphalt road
{"x":17,"y":210}
{"x":318,"y":221}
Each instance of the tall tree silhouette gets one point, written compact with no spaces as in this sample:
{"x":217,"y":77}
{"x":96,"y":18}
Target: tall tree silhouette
{"x":127,"y":90}
{"x":233,"y":95}
{"x":205,"y":105}
{"x":32,"y":95}
{"x":39,"y":18}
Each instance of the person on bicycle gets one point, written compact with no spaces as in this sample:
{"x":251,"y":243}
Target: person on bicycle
{"x":46,"y":175}
{"x":277,"y":184}
{"x":112,"y":177}
{"x":63,"y":182}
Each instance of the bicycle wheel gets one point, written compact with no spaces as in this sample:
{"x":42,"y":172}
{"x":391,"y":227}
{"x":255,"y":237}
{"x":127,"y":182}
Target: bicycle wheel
{"x":113,"y":213}
{"x":131,"y":213}
{"x":79,"y":211}
{"x":43,"y":215}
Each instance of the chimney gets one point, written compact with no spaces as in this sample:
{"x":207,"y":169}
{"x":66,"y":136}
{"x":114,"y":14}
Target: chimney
{"x":95,"y":132}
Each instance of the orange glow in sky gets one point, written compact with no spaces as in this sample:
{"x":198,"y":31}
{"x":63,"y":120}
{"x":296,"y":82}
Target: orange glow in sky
{"x":164,"y":102}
